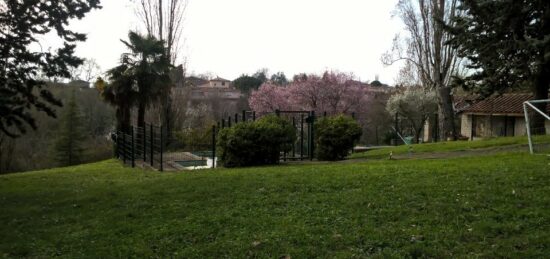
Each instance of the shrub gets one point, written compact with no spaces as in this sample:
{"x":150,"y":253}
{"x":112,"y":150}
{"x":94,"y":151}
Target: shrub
{"x":255,"y":143}
{"x":335,"y":137}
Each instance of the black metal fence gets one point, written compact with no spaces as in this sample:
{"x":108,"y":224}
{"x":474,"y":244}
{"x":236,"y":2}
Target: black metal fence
{"x":154,"y":147}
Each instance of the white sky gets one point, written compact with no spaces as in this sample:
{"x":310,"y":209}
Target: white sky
{"x":229,"y":38}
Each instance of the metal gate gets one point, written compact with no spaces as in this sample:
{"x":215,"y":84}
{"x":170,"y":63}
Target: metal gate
{"x":154,"y":147}
{"x":303,"y":122}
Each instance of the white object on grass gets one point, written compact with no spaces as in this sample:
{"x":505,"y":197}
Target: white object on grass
{"x":529,"y":104}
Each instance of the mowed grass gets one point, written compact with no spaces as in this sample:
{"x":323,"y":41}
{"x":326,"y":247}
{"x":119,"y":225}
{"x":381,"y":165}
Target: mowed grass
{"x":450,"y":146}
{"x":494,"y":206}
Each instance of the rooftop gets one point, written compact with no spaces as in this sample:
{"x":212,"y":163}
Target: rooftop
{"x":510,"y":103}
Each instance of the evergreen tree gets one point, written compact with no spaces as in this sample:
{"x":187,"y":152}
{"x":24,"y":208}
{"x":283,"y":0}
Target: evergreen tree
{"x":279,"y":79}
{"x":21,"y":24}
{"x":507,"y":43}
{"x":247,"y":83}
{"x":68,"y":145}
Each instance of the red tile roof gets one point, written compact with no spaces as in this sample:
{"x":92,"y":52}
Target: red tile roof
{"x":511,"y":103}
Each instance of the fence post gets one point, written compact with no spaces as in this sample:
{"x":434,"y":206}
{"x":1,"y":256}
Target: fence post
{"x":353,"y":115}
{"x":124,"y":147}
{"x":214,"y":146}
{"x":324,"y":114}
{"x":133,"y":147}
{"x":312,"y":144}
{"x":302,"y":137}
{"x":294,"y":144}
{"x":152,"y":140}
{"x":161,"y":143}
{"x":229,"y":122}
{"x":236,"y":118}
{"x":144,"y":136}
{"x":244,"y":116}
{"x":223,"y":123}
{"x":117,"y":145}
{"x":277,"y":112}
{"x":254,"y":116}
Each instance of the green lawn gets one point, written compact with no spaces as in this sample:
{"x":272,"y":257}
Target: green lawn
{"x":452,"y":146}
{"x":492,"y":206}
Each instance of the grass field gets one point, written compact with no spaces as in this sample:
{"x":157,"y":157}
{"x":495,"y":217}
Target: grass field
{"x":491,"y":206}
{"x":441,"y":147}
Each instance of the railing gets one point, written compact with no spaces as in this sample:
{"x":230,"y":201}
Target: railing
{"x":148,"y":146}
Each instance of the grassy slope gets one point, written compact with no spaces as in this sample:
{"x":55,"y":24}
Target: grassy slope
{"x":491,"y":206}
{"x":452,"y":146}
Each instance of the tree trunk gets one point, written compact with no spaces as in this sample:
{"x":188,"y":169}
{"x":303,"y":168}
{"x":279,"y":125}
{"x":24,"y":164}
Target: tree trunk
{"x":447,"y":114}
{"x":167,"y":115}
{"x":126,"y":119}
{"x":541,"y":87}
{"x":119,"y":119}
{"x":141,"y":115}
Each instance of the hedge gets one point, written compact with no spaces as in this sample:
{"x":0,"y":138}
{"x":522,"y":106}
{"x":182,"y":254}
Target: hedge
{"x":255,"y":143}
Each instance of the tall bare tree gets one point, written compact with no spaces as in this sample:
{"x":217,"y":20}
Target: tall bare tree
{"x":426,"y":50}
{"x":88,"y":71}
{"x":164,"y":19}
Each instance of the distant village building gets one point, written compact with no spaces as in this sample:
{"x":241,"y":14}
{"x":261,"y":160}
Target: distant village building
{"x":218,"y":93}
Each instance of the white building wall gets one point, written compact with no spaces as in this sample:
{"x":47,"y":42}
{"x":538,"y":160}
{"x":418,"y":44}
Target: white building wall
{"x":466,"y":125}
{"x":519,"y":129}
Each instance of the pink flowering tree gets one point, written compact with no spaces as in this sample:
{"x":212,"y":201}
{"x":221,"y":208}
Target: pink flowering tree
{"x":332,"y":92}
{"x":268,"y":98}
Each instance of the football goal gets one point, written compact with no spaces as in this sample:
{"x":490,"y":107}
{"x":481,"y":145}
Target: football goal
{"x":529,"y":109}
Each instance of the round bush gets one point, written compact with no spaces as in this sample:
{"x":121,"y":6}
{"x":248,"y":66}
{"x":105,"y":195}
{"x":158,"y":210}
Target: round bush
{"x":335,"y":137}
{"x":255,"y":143}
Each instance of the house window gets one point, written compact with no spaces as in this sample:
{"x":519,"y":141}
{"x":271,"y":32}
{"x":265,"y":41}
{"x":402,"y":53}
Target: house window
{"x":223,"y":83}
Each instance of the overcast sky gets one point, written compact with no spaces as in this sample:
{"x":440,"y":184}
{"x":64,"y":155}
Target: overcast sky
{"x":229,"y":38}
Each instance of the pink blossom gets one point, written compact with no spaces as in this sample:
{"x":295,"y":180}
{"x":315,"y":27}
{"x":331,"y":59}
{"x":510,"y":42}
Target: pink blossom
{"x":268,"y":98}
{"x":332,"y":92}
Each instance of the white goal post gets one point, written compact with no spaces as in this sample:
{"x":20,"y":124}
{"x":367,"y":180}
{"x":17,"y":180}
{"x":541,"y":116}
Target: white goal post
{"x":529,"y":104}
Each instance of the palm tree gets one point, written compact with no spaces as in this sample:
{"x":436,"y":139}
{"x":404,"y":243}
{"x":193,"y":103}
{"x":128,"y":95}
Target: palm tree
{"x":151,"y":69}
{"x":119,"y":93}
{"x":141,"y":78}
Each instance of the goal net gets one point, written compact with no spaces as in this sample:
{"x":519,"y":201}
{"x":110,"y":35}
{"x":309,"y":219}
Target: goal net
{"x":538,"y":135}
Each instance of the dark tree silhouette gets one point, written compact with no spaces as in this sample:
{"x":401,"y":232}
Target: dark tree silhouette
{"x":507,"y":43}
{"x":142,"y":78}
{"x":68,"y":145}
{"x":21,"y":23}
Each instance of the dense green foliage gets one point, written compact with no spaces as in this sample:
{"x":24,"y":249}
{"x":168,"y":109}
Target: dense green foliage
{"x":489,"y":206}
{"x":500,"y":38}
{"x":507,"y":44}
{"x":36,"y":146}
{"x":247,"y":83}
{"x":279,"y":79}
{"x":255,"y":143}
{"x":68,"y":145}
{"x":335,"y":137}
{"x":21,"y":24}
{"x":141,"y":78}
